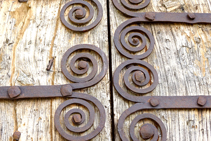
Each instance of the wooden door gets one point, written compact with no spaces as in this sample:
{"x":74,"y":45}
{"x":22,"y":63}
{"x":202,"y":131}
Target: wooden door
{"x":181,"y":57}
{"x":32,"y":34}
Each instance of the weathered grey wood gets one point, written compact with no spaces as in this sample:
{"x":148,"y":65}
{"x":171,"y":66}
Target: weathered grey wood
{"x":31,"y":34}
{"x":182,"y":59}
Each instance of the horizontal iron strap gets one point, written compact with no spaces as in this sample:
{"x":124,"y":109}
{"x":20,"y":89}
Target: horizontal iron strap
{"x":175,"y":17}
{"x":33,"y":92}
{"x":180,"y":102}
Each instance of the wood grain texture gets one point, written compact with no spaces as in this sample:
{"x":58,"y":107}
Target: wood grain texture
{"x":31,"y":34}
{"x":182,"y":59}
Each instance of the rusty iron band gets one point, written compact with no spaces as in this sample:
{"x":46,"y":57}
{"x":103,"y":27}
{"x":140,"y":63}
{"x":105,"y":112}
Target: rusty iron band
{"x":80,"y":99}
{"x":92,"y":78}
{"x":131,"y":7}
{"x":136,"y":33}
{"x":159,"y":102}
{"x":78,"y":116}
{"x":133,"y":66}
{"x":56,"y":90}
{"x":77,"y":15}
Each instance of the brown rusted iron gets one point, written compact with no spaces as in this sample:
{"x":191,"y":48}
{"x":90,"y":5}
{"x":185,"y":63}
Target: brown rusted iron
{"x":22,"y":0}
{"x":142,"y":74}
{"x":50,"y":64}
{"x":133,"y":7}
{"x":79,"y":117}
{"x":21,"y":92}
{"x":201,"y":101}
{"x":165,"y":102}
{"x":146,"y":131}
{"x":135,"y":65}
{"x":77,"y":15}
{"x":76,"y":119}
{"x":16,"y":135}
{"x":14,"y":91}
{"x":83,"y":59}
{"x":133,"y":44}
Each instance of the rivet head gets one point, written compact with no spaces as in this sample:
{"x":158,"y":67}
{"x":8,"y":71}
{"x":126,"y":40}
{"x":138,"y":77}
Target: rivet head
{"x":66,"y":90}
{"x":154,"y":102}
{"x":201,"y":101}
{"x":150,"y":16}
{"x":191,"y":16}
{"x":77,"y":118}
{"x":82,"y":65}
{"x":16,"y":135}
{"x":139,"y":76}
{"x":146,"y":131}
{"x":14,"y":91}
{"x":135,"y":40}
{"x":79,"y":14}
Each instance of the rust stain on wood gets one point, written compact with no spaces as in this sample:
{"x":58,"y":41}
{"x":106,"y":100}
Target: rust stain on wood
{"x":26,"y":10}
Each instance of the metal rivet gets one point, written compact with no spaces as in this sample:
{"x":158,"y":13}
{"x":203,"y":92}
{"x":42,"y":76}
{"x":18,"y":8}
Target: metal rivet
{"x":66,"y":90}
{"x":50,"y":64}
{"x":14,"y":91}
{"x":82,"y":64}
{"x":150,"y":16}
{"x":154,"y":102}
{"x":191,"y":16}
{"x":139,"y":76}
{"x":135,"y":40}
{"x":201,"y":101}
{"x":16,"y":135}
{"x":76,"y":118}
{"x":79,"y":14}
{"x":146,"y":131}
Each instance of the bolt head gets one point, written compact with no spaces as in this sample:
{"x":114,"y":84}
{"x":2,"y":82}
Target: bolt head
{"x":16,"y":135}
{"x":139,"y":76}
{"x":82,"y":65}
{"x":191,"y":16}
{"x":14,"y":91}
{"x":135,"y":40}
{"x":77,"y":118}
{"x":146,"y":131}
{"x":154,"y":102}
{"x":66,"y":90}
{"x":201,"y":101}
{"x":150,"y":16}
{"x":79,"y":14}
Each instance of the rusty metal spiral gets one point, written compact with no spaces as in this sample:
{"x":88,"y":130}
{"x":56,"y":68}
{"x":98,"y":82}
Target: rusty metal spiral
{"x":79,"y":117}
{"x":140,"y":77}
{"x":81,"y":15}
{"x":147,"y":131}
{"x":130,"y":8}
{"x":83,"y":65}
{"x":136,"y":40}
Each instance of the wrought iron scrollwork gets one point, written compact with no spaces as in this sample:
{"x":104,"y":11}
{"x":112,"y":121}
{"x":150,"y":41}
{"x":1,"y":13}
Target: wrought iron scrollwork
{"x":79,"y":117}
{"x":79,"y":63}
{"x":81,"y":15}
{"x":139,"y":78}
{"x":132,"y":8}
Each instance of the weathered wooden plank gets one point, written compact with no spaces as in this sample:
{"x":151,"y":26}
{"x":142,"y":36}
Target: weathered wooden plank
{"x":31,"y":34}
{"x":182,"y":59}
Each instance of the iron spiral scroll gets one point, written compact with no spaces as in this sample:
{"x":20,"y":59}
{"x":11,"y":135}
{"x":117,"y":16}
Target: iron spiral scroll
{"x":79,"y":65}
{"x":132,"y":38}
{"x":133,"y":8}
{"x":82,"y":15}
{"x":134,"y":78}
{"x":78,"y":117}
